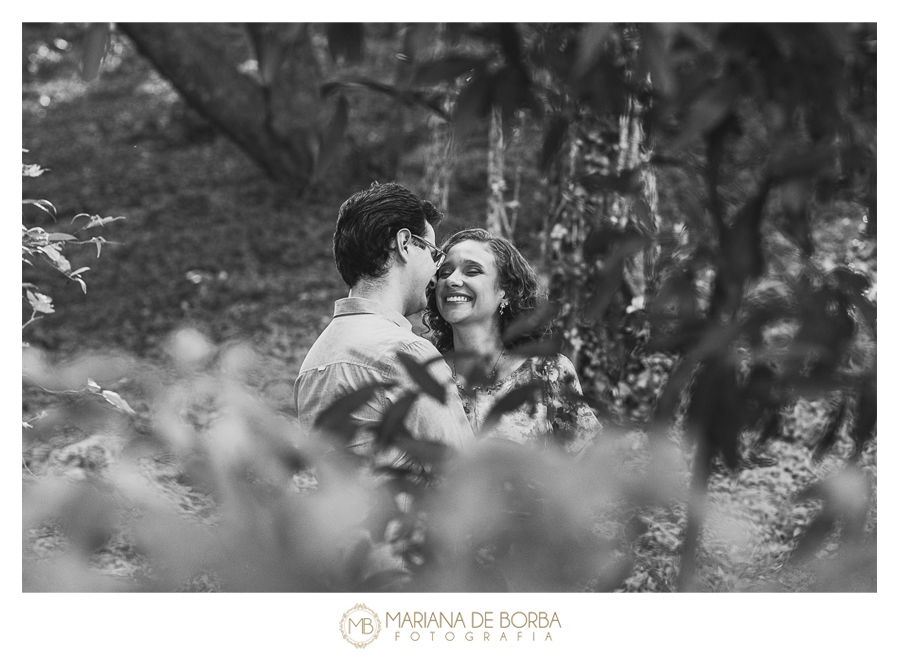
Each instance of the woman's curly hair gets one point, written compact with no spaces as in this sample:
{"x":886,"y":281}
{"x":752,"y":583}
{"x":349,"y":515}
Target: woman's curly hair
{"x":517,"y":279}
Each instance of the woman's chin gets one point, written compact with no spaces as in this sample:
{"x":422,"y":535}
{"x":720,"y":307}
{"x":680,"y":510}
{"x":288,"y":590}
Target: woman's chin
{"x":454,"y":316}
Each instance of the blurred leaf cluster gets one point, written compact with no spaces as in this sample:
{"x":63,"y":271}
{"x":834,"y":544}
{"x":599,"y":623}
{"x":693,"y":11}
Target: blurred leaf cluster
{"x":202,"y":486}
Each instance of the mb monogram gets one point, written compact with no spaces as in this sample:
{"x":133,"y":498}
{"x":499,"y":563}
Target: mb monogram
{"x":360,"y":626}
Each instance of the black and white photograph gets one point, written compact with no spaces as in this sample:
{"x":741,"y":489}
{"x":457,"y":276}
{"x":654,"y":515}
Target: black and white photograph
{"x":401,"y":310}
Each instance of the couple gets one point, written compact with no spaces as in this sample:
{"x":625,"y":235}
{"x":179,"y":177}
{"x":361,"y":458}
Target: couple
{"x":471,"y":289}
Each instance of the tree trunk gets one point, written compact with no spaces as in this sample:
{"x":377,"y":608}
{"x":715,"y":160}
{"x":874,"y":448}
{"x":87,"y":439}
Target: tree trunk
{"x":604,"y":281}
{"x":274,"y":118}
{"x":497,"y":221}
{"x":441,"y":149}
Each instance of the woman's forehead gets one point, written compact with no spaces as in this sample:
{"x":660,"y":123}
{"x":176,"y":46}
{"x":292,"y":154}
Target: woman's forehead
{"x":473,"y":250}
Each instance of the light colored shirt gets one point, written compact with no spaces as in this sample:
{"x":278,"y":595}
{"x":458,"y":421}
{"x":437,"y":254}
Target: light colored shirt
{"x":361,"y":346}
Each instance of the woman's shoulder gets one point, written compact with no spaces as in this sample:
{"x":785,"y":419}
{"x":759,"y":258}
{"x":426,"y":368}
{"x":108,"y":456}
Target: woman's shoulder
{"x":558,"y":372}
{"x":554,"y":363}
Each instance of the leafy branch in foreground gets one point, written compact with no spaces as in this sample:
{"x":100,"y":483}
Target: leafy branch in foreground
{"x":38,"y":245}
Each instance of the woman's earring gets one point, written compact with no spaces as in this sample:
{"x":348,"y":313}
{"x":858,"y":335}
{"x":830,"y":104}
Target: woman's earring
{"x":503,"y":305}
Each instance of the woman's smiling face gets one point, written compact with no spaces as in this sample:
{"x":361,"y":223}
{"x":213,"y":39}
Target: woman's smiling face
{"x":468,"y":284}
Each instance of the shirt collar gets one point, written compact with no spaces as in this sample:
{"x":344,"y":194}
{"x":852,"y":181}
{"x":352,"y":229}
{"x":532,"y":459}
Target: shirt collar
{"x":362,"y":305}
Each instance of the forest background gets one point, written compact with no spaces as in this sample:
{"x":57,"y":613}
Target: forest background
{"x":209,"y":241}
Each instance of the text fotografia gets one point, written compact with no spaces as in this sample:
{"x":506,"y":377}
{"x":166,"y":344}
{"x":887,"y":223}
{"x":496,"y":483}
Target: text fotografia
{"x":478,"y":626}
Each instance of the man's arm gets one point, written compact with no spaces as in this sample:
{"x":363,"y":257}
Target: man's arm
{"x":428,"y":418}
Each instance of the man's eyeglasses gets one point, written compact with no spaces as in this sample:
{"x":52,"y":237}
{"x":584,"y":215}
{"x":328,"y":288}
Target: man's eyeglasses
{"x":437,"y":255}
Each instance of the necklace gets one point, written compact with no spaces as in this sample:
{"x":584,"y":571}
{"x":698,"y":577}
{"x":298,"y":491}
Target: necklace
{"x":493,"y":372}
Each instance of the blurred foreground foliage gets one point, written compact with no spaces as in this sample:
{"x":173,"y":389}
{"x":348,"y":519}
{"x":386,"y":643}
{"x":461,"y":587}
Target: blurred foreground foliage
{"x":203,"y":487}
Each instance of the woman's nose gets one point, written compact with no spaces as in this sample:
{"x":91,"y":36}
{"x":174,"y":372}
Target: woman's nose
{"x":454,"y":280}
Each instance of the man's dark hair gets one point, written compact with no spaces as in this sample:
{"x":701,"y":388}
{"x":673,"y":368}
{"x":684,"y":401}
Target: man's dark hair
{"x":369,"y":220}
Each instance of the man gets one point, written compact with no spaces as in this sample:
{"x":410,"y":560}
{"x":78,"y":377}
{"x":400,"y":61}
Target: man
{"x":384,"y":250}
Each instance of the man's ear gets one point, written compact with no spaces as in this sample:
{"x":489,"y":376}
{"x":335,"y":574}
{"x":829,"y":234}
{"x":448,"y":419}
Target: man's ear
{"x":401,"y":244}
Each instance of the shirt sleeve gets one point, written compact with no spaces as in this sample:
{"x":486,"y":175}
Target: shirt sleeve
{"x":429,"y":418}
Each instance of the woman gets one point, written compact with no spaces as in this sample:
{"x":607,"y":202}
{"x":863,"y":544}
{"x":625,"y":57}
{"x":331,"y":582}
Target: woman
{"x":483,"y":285}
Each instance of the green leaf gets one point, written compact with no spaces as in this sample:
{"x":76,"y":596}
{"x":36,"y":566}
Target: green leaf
{"x":93,"y":386}
{"x":391,"y":425}
{"x":790,"y":162}
{"x":387,"y":580}
{"x":60,"y":237}
{"x":553,"y":141}
{"x":332,"y":137}
{"x":96,"y":220}
{"x":626,"y":182}
{"x":643,"y":214}
{"x":530,"y":322}
{"x":473,"y":103}
{"x":357,"y":560}
{"x":116,"y":400}
{"x":423,"y":450}
{"x":39,"y":302}
{"x":550,"y":347}
{"x":95,"y":41}
{"x":34,"y":236}
{"x":813,"y":536}
{"x":99,"y":241}
{"x":32,"y":170}
{"x":418,"y":39}
{"x":345,"y":40}
{"x":274,"y":43}
{"x":866,"y":415}
{"x":526,"y":394}
{"x":591,"y":41}
{"x":830,"y":433}
{"x":715,"y":413}
{"x":43,"y":204}
{"x":742,"y":252}
{"x":655,"y":58}
{"x":442,"y":70}
{"x":607,"y":281}
{"x":336,"y":418}
{"x":405,"y":96}
{"x":850,"y":280}
{"x":59,"y":261}
{"x":710,"y":110}
{"x":511,"y":43}
{"x":399,"y":481}
{"x":420,"y":374}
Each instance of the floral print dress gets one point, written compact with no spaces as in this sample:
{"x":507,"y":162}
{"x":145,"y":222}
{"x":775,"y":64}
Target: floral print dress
{"x":556,"y":417}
